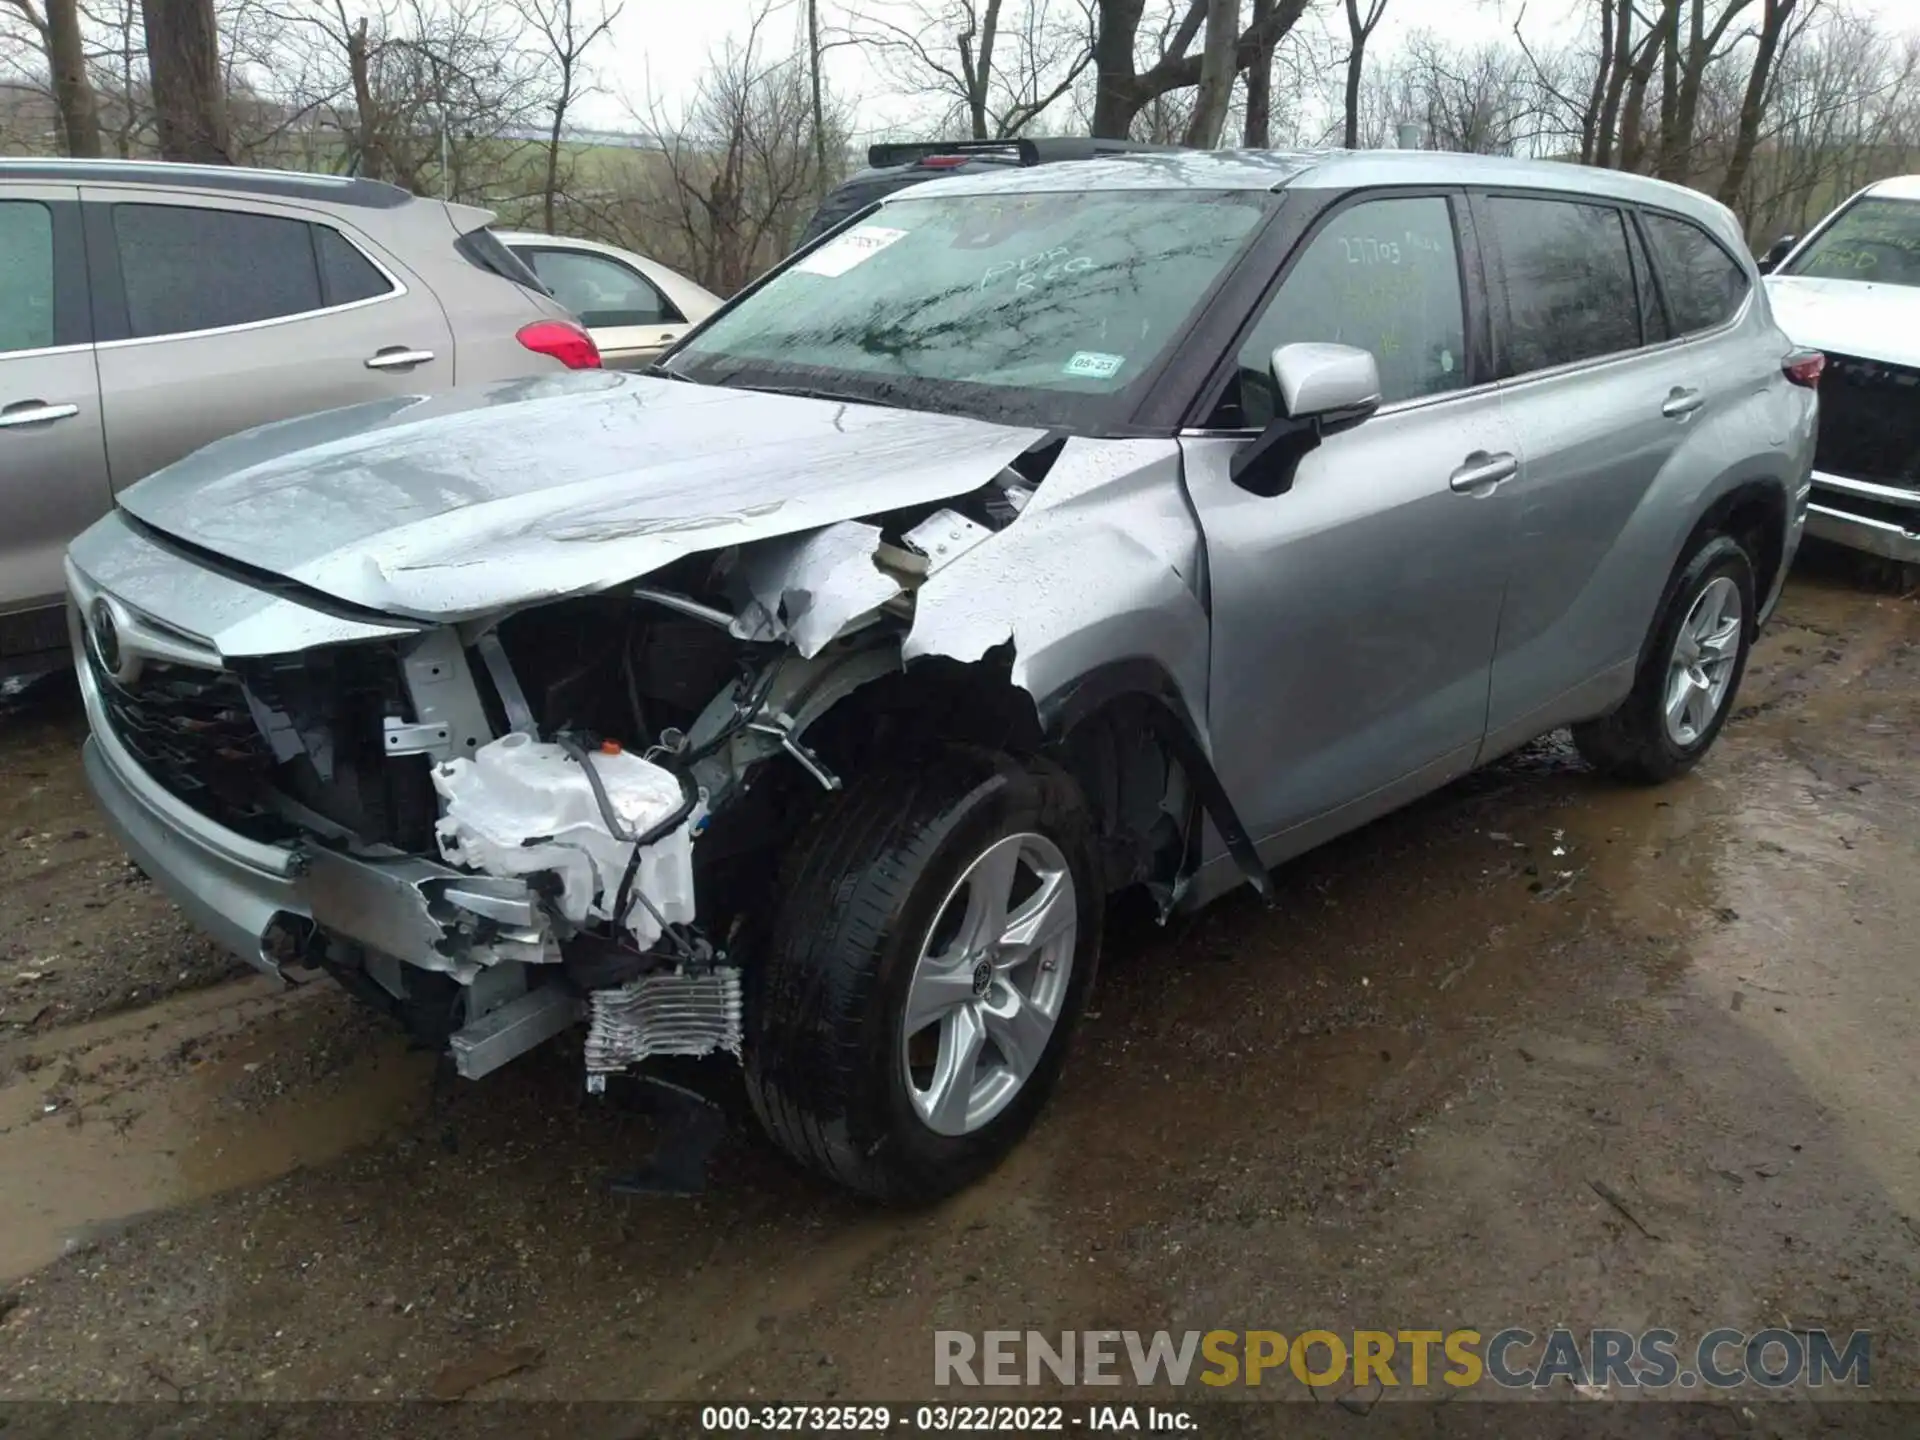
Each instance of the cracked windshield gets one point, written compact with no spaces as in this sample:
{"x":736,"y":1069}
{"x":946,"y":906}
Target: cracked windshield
{"x":1073,"y":293}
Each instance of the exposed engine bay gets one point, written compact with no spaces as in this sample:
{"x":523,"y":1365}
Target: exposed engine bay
{"x":579,"y":810}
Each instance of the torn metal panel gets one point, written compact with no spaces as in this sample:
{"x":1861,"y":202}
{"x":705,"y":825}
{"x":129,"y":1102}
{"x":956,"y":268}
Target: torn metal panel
{"x":534,"y":490}
{"x":411,"y":909}
{"x":806,"y":589}
{"x":1104,"y":568}
{"x":1104,"y":564}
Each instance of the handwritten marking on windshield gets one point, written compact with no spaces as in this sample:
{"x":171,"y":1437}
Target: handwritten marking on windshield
{"x":1037,"y":270}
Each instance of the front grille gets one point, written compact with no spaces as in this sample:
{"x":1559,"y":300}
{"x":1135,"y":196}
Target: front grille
{"x":198,"y":733}
{"x":192,"y":730}
{"x":1869,"y":421}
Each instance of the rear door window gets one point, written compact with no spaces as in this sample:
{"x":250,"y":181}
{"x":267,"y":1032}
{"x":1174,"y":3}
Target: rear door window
{"x":1704,"y":285}
{"x":1384,"y":276}
{"x":26,"y":276}
{"x":599,"y":289}
{"x":188,"y":268}
{"x":345,"y":274}
{"x":1568,"y":282}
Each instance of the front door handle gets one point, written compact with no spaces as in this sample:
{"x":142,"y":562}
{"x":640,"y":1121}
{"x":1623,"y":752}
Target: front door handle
{"x":1681,"y":401}
{"x":35,"y":412}
{"x":398,"y":357}
{"x":1481,"y":472}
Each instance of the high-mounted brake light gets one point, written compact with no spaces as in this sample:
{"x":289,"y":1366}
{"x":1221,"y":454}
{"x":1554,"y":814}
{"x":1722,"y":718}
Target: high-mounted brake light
{"x":563,"y":340}
{"x":1804,"y":368}
{"x":943,"y":162}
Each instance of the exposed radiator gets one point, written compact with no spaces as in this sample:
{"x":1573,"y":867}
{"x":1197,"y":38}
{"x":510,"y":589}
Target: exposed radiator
{"x":666,"y":1013}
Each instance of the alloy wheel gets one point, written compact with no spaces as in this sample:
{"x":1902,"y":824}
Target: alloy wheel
{"x":989,"y":984}
{"x":1701,"y":668}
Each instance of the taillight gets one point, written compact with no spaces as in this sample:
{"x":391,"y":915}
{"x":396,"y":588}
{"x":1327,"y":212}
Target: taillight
{"x":563,"y":340}
{"x":1804,"y":367}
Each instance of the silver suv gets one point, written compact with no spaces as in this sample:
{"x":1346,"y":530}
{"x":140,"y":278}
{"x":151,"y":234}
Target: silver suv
{"x":1030,"y":537}
{"x":147,"y":309}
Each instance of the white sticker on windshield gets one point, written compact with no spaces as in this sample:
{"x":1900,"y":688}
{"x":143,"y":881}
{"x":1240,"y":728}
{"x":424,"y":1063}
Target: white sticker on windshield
{"x":1095,"y":364}
{"x":841,"y":254}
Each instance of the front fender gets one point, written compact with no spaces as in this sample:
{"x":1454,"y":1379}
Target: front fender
{"x":1099,"y":589}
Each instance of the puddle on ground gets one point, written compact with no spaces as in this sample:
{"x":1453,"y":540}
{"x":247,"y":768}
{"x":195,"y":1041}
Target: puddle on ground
{"x":199,"y":1094}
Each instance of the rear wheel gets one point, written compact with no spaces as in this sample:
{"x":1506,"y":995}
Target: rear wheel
{"x":1688,"y":675}
{"x":934,"y":947}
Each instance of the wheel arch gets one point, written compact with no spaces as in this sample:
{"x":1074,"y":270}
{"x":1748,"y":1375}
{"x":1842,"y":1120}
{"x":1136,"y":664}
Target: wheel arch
{"x":1756,"y":511}
{"x":1092,"y":725}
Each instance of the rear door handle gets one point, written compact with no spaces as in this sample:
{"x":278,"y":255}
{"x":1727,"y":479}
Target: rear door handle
{"x":35,"y":412}
{"x":1681,"y":401}
{"x":398,"y":357}
{"x":1481,"y":473}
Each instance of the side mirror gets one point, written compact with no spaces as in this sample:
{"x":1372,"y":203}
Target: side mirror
{"x":1777,"y":252}
{"x":1320,"y":388}
{"x":1326,"y":381}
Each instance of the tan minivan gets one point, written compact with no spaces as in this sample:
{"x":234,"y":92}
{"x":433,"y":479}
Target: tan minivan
{"x":148,"y":309}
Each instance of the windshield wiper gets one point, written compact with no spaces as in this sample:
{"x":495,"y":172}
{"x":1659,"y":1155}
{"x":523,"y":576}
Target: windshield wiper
{"x":808,"y":392}
{"x":660,"y":372}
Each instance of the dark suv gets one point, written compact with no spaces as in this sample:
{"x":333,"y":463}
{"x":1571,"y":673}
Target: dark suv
{"x":893,"y":167}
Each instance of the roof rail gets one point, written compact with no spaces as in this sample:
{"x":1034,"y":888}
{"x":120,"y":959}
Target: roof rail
{"x":1042,"y":151}
{"x":234,"y":179}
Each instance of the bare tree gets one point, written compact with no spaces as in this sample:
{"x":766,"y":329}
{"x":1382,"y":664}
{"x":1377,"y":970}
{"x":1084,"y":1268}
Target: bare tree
{"x":1214,"y":92}
{"x":815,"y":92}
{"x":1123,"y":90}
{"x":438,"y":96}
{"x":1360,"y":28}
{"x":1777,"y":16}
{"x":1480,"y":99}
{"x":999,"y":64}
{"x":189,"y":97}
{"x":57,"y":28}
{"x":569,"y":29}
{"x":734,"y":179}
{"x":1257,"y":133}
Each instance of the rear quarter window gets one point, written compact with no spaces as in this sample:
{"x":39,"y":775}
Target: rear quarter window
{"x":485,"y":250}
{"x":346,"y":275}
{"x":1704,"y":285}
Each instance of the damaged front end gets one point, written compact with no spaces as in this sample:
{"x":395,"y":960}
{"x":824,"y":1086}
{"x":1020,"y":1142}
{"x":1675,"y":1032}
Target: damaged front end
{"x":574,"y":811}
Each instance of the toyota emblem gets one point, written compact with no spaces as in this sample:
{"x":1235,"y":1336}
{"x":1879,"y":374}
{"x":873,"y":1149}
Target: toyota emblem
{"x":104,"y":626}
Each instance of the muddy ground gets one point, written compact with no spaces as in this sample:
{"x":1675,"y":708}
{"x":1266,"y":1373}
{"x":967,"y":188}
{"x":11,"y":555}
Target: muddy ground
{"x":1538,"y":1051}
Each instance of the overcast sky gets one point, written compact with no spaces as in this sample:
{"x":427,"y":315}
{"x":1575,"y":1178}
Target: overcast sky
{"x":658,"y":47}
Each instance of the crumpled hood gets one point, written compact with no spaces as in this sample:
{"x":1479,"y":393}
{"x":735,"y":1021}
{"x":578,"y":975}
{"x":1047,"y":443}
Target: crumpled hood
{"x":466,"y":503}
{"x":1849,"y":317}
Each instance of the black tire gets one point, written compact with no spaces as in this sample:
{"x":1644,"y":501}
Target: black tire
{"x":1633,"y":743}
{"x":824,"y":1006}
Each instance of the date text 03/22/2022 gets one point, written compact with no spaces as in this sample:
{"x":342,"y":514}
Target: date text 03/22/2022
{"x":944,"y":1419}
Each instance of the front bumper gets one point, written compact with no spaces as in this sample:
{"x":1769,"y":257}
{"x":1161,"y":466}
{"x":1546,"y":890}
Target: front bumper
{"x":1879,"y":519}
{"x":243,"y":891}
{"x":237,"y":890}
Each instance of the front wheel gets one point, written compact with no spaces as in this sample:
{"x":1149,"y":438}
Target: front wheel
{"x":1689,"y":674}
{"x":936,"y":939}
